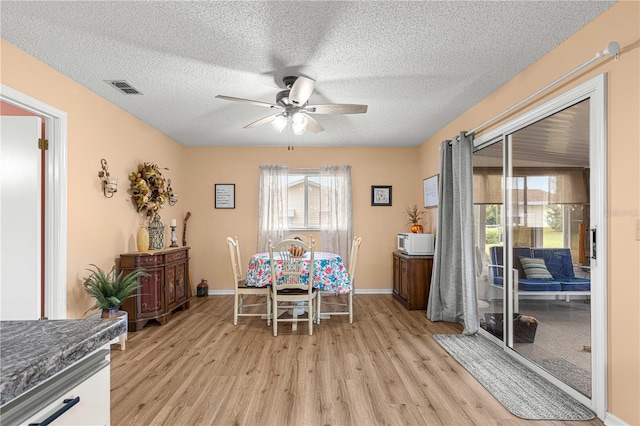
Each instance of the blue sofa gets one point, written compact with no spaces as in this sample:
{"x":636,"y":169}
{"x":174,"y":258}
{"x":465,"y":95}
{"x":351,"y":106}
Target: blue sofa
{"x":558,"y":262}
{"x":524,"y":283}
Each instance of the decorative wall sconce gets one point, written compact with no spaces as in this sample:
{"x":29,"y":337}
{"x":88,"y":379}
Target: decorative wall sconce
{"x":109,"y":184}
{"x":173,"y":198}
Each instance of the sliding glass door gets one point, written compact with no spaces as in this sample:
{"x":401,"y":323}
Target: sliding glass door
{"x":488,"y":190}
{"x":546,"y":223}
{"x":539,"y":196}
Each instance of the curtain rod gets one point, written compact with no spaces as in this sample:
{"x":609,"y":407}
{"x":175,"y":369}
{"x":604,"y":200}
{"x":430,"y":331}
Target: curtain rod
{"x":613,"y":49}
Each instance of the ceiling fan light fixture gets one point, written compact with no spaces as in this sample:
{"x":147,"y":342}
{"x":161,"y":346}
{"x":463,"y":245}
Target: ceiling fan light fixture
{"x":299,"y":123}
{"x":292,"y":106}
{"x":298,"y":129}
{"x":299,"y":118}
{"x":279,"y":123}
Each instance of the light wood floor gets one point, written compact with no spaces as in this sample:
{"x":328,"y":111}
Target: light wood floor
{"x":384,"y":369}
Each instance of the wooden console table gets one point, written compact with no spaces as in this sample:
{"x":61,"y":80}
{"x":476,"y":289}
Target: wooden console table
{"x":163,"y":291}
{"x":412,"y":279}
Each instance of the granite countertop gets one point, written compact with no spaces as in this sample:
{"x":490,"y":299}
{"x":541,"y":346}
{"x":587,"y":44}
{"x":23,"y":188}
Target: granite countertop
{"x":33,"y":351}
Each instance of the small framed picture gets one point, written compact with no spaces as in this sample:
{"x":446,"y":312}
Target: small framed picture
{"x":430,"y":187}
{"x":225,"y":196}
{"x":380,"y":195}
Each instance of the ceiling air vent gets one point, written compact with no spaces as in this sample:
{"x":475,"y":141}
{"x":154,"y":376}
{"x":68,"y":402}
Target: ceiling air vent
{"x":124,"y":87}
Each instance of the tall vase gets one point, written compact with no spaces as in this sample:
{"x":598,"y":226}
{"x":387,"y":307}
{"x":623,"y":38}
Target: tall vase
{"x":142,"y":239}
{"x":156,"y":233}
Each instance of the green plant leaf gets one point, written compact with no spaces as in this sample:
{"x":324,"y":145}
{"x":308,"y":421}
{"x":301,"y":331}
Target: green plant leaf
{"x":112,"y":288}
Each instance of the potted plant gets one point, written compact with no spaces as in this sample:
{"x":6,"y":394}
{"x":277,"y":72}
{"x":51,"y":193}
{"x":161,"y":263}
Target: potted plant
{"x":111,"y":289}
{"x":414,"y":218}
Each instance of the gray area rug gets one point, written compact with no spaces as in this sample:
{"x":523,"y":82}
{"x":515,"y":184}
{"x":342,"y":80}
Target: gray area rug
{"x":578,"y":378}
{"x":520,"y":390}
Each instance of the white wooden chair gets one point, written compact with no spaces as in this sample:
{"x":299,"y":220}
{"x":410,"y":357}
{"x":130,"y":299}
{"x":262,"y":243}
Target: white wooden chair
{"x":297,"y":286}
{"x":241,"y":289}
{"x":347,"y":308}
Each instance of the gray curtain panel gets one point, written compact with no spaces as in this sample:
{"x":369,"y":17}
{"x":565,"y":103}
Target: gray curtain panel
{"x":453,"y":295}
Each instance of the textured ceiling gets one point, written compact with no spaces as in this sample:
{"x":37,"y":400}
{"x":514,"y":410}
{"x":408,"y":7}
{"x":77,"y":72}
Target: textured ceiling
{"x":417,"y":65}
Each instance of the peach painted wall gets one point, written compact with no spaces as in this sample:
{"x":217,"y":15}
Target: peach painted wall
{"x":378,"y":226}
{"x":99,"y":229}
{"x":621,"y":23}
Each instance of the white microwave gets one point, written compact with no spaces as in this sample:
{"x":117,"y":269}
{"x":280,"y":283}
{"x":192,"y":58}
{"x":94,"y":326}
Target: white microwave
{"x":415,"y":244}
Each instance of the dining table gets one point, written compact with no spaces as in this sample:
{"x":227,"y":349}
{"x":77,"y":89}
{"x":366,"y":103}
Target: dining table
{"x":329,"y":271}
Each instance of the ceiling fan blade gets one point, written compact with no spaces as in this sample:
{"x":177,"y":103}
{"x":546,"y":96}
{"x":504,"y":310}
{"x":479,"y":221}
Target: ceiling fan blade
{"x":336,"y":109}
{"x":313,"y":124}
{"x":262,"y":121}
{"x":247,"y":101}
{"x":301,"y":91}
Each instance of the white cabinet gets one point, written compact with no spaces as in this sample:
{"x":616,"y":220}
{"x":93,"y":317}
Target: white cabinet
{"x":92,"y":406}
{"x":77,"y":396}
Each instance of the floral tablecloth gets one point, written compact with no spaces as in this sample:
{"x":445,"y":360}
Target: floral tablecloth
{"x":329,"y":271}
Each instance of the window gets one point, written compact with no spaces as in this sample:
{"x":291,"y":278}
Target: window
{"x":303,"y":198}
{"x":306,"y":200}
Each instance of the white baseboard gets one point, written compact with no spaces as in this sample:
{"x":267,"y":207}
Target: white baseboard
{"x":373,"y":291}
{"x":358,"y":291}
{"x":611,"y":420}
{"x":219,"y":292}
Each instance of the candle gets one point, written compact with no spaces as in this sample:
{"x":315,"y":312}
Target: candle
{"x":173,"y":222}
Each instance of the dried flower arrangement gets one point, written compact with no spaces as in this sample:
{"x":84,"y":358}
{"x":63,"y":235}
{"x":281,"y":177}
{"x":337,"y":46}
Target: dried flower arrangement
{"x":148,"y":188}
{"x":414,"y":214}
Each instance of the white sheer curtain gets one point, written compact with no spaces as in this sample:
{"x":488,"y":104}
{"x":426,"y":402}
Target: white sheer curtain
{"x":336,"y":217}
{"x":273,"y":221}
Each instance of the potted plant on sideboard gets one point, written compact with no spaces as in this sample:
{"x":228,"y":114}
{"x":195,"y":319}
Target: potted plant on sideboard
{"x":414,"y":218}
{"x":111,"y":289}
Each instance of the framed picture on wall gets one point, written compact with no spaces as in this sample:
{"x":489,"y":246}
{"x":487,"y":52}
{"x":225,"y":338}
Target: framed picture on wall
{"x":430,"y":188}
{"x":225,"y":196}
{"x":380,"y":195}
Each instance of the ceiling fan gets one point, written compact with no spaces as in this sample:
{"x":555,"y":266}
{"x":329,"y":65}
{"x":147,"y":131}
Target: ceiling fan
{"x":292,"y":106}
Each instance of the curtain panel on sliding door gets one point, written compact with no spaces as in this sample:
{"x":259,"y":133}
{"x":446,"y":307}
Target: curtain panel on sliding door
{"x":453,"y":292}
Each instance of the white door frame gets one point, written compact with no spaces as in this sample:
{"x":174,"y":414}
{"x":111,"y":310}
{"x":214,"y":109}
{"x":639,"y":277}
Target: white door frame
{"x":55,"y":253}
{"x":595,"y":90}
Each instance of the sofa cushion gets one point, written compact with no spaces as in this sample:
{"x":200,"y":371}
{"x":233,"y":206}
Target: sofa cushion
{"x":576,"y":284}
{"x":535,"y":268}
{"x":497,"y":258}
{"x":538,"y":284}
{"x":558,"y":260}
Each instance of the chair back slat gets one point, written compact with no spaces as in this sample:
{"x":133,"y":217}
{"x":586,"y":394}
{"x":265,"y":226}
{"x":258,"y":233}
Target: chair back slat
{"x":234,"y":255}
{"x":353,"y":258}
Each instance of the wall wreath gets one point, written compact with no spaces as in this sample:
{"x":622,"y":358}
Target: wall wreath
{"x":148,"y":188}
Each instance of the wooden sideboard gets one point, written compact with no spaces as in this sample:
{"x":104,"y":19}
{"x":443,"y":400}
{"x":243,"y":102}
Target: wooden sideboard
{"x":412,"y":279}
{"x":163,"y":291}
